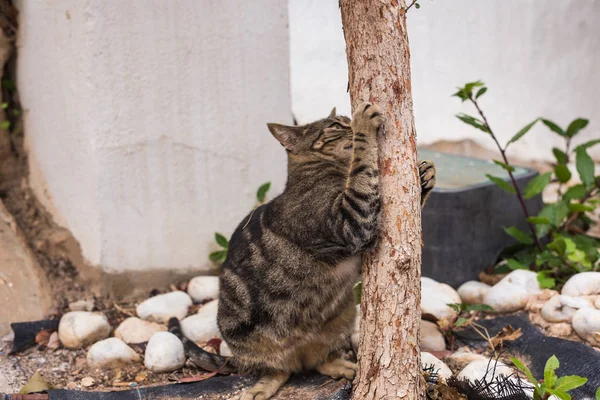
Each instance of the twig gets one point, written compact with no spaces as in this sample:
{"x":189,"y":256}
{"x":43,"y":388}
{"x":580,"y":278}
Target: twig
{"x":510,"y":174}
{"x":410,"y":5}
{"x":122,"y":310}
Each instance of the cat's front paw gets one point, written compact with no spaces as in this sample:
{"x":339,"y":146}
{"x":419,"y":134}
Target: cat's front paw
{"x":367,"y":118}
{"x":427,"y":175}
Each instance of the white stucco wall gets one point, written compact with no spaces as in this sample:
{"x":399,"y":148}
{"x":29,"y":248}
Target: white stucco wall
{"x":539,"y":58}
{"x":145,"y":120}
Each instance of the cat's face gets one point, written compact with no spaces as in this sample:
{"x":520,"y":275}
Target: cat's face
{"x":330,"y":137}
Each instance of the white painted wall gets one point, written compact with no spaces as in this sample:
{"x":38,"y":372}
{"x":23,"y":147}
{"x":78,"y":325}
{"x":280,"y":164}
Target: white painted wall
{"x":539,"y":58}
{"x":145,"y":120}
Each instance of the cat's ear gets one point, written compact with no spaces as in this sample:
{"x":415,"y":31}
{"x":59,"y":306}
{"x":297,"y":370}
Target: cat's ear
{"x":288,"y":136}
{"x":332,"y":113}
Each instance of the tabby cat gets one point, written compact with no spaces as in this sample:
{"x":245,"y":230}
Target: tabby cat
{"x":286,"y":289}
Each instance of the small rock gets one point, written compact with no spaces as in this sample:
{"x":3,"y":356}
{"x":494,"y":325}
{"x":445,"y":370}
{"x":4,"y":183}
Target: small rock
{"x":442,"y":370}
{"x":53,"y":342}
{"x":484,"y":370}
{"x":562,"y":308}
{"x":435,"y":298}
{"x":224,"y":349}
{"x":582,"y":284}
{"x":134,"y":330}
{"x":586,"y":323}
{"x":431,"y":337}
{"x":463,"y":357}
{"x":537,"y":319}
{"x":561,"y":329}
{"x":162,"y":307}
{"x":473,"y":292}
{"x":72,"y":386}
{"x":202,"y":326}
{"x":202,"y":288}
{"x":87,"y":381}
{"x":110,"y":353}
{"x":164,"y":353}
{"x":78,"y":329}
{"x":82,"y":305}
{"x":597,"y":303}
{"x":513,"y":292}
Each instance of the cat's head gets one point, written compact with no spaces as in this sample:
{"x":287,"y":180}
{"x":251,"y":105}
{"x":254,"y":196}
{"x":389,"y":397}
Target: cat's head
{"x":329,"y":138}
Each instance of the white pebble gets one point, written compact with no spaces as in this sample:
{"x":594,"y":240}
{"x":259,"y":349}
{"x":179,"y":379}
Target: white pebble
{"x":513,"y":292}
{"x":582,"y":284}
{"x":435,"y":298}
{"x":224,"y":349}
{"x":442,"y":370}
{"x":164,"y":306}
{"x":78,"y":329}
{"x":484,"y":370}
{"x":82,"y":305}
{"x":202,"y":288}
{"x":111,"y":353}
{"x":135,"y":330}
{"x":202,"y":326}
{"x":562,"y":308}
{"x":473,"y":292}
{"x":164,"y":353}
{"x":431,"y":337}
{"x":586,"y":323}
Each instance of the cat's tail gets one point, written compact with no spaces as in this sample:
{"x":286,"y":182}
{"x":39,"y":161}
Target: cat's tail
{"x":200,"y":357}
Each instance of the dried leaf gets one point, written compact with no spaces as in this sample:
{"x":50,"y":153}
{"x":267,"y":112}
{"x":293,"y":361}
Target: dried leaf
{"x":43,"y":337}
{"x":507,"y":334}
{"x":198,"y":378}
{"x":53,"y":342}
{"x":35,"y":384}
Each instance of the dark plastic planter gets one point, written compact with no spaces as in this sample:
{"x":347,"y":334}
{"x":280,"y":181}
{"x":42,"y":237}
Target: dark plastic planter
{"x":464,"y":217}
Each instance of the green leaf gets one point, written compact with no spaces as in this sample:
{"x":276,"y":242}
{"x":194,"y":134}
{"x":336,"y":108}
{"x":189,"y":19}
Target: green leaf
{"x":585,"y":167}
{"x":479,"y":307}
{"x":518,"y":234}
{"x":537,"y":185}
{"x":469,"y":86}
{"x":221,"y":240}
{"x":460,"y":322}
{"x":560,"y":394}
{"x":4,"y":106}
{"x":358,"y":292}
{"x":598,"y":394}
{"x":558,"y":245}
{"x":576,"y":126}
{"x":566,"y":383}
{"x":504,"y":166}
{"x":545,"y":281}
{"x":417,"y":6}
{"x":522,"y":132}
{"x":526,"y":371}
{"x":574,"y":193}
{"x":262,"y":192}
{"x":553,"y":127}
{"x":5,"y":125}
{"x":578,"y":207}
{"x":555,"y":212}
{"x":461,"y":95}
{"x":514,"y":264}
{"x":480,"y":92}
{"x":218,"y":255}
{"x":501,"y":183}
{"x":549,"y":370}
{"x":562,"y":173}
{"x":458,"y":307}
{"x":560,"y":155}
{"x":474,"y":122}
{"x":587,"y":145}
{"x":538,"y":220}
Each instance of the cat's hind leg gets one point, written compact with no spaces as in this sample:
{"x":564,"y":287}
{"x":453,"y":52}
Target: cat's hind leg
{"x":266,"y":387}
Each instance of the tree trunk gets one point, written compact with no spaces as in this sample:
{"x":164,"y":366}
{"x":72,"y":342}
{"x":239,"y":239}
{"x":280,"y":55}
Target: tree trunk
{"x":379,"y":72}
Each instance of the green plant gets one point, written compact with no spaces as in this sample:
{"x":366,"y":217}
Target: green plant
{"x":551,"y":384}
{"x":219,"y":256}
{"x":564,"y":223}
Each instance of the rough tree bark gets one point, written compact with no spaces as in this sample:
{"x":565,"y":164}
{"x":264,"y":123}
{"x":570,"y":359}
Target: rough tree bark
{"x":379,"y":71}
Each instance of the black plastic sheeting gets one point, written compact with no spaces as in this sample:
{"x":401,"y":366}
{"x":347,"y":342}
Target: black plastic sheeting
{"x":575,"y":358}
{"x":25,"y":333}
{"x":219,"y":385}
